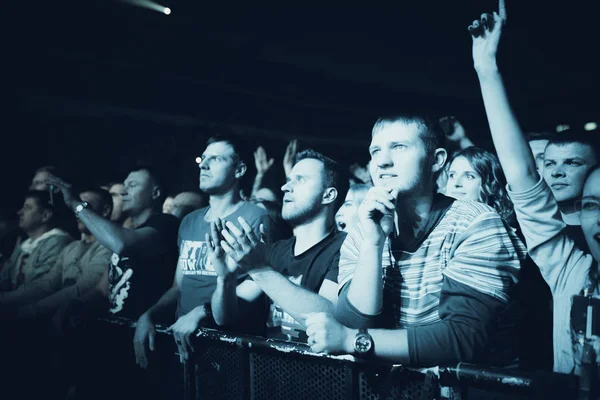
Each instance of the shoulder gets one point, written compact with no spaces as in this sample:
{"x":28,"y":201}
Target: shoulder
{"x":282,"y":244}
{"x":56,"y":240}
{"x":192,"y":218}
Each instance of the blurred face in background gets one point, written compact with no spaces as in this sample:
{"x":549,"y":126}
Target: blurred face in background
{"x":39,"y":181}
{"x":345,"y":215}
{"x":590,"y":213}
{"x":32,"y":215}
{"x":138,"y":193}
{"x":167,"y":207}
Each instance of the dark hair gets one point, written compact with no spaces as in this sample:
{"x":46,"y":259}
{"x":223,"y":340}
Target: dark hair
{"x":234,"y":142}
{"x":539,"y":136}
{"x":157,"y":179}
{"x":51,"y":169}
{"x":431,"y":130}
{"x":572,"y":135}
{"x":493,"y":182}
{"x":60,"y":213}
{"x":335,"y":175}
{"x":105,"y":196}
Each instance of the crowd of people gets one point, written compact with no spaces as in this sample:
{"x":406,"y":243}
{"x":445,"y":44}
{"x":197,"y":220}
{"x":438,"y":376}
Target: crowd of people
{"x":436,"y":252}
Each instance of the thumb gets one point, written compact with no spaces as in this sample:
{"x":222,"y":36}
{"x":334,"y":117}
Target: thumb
{"x":151,"y":341}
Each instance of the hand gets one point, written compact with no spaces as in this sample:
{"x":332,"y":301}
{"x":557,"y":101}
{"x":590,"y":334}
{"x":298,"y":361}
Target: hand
{"x":184,"y":328}
{"x":143,"y":340}
{"x":261,"y":162}
{"x":327,"y":335}
{"x":376,"y":214}
{"x":486,"y":34}
{"x":69,"y":196}
{"x":223,"y":264}
{"x":243,"y":246}
{"x":361,"y":173}
{"x":289,"y":157}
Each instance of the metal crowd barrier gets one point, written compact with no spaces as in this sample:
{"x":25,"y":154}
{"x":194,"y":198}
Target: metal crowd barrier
{"x":227,"y":365}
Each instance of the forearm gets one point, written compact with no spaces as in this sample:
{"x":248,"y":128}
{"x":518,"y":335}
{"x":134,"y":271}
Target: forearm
{"x":294,"y":299}
{"x":510,"y":143}
{"x":366,"y":288}
{"x":257,"y":184}
{"x":224,"y":302}
{"x":111,"y":235}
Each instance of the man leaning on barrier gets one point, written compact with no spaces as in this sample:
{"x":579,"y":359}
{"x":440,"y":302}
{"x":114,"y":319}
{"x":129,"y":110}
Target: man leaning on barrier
{"x":298,"y":274}
{"x":221,"y":171}
{"x":436,"y":272}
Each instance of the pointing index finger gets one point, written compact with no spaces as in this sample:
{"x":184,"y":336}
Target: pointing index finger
{"x":502,"y":9}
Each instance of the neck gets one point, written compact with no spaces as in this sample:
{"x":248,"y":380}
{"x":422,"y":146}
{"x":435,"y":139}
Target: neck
{"x":37,"y":232}
{"x":221,"y":205}
{"x":412,"y":215}
{"x":312,"y":232}
{"x":142,"y":217}
{"x":87,"y":238}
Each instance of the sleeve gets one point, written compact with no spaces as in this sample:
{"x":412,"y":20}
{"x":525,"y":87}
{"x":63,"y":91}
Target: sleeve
{"x":92,"y":274}
{"x":167,"y":227}
{"x":467,"y":317}
{"x":349,"y":315}
{"x":484,"y":257}
{"x":560,"y":261}
{"x":333,"y":267}
{"x":47,"y":273}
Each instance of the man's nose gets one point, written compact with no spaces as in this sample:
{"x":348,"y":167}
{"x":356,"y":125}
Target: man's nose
{"x":558,"y":171}
{"x":383,"y":159}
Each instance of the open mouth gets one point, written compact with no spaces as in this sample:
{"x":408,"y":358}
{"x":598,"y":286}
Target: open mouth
{"x":387,"y":176}
{"x":597,"y":237}
{"x":341,"y":225}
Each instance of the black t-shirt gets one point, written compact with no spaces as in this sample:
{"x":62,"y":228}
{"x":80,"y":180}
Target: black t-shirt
{"x":136,"y":282}
{"x":307,"y":270}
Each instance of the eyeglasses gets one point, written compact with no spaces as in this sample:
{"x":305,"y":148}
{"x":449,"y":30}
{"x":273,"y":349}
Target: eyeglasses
{"x":588,"y":206}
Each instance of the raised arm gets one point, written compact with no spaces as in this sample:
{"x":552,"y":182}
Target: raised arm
{"x":111,"y":235}
{"x":510,"y":143}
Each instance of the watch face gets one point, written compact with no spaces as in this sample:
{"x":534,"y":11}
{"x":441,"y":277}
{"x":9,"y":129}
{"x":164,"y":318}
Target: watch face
{"x":362,"y":343}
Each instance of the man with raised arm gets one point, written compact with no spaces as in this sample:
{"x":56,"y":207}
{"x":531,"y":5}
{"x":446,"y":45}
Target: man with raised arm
{"x":141,"y":264}
{"x":566,"y":268}
{"x":437,"y":272}
{"x":299,"y":274}
{"x":221,"y":170}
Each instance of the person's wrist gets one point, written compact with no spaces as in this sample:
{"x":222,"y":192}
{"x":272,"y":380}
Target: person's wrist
{"x":349,"y":340}
{"x":486,"y":70}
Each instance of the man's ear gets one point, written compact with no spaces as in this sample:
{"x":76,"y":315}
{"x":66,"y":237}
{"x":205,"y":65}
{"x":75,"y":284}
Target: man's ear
{"x":439,"y":159}
{"x":240,"y":170}
{"x":156,"y":192}
{"x":106,"y":211}
{"x":46,"y":216}
{"x":329,"y":195}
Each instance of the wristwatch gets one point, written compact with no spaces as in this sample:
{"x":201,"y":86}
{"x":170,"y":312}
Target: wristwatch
{"x":80,"y":207}
{"x":363,"y":343}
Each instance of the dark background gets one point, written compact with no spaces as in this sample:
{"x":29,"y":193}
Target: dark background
{"x":95,"y":86}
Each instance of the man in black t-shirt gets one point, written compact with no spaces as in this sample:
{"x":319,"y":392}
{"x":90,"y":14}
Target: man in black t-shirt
{"x":141,"y":267}
{"x":299,"y":275}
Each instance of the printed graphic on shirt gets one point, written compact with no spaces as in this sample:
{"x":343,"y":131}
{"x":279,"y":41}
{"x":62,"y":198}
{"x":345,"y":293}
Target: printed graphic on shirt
{"x":193,"y":259}
{"x":119,"y":283}
{"x":279,"y":318}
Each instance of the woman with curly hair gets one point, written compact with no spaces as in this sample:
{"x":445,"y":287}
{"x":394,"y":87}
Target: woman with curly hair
{"x":475,"y":174}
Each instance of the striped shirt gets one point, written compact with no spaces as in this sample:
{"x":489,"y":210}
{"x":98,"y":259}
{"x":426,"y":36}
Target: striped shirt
{"x":470,"y":245}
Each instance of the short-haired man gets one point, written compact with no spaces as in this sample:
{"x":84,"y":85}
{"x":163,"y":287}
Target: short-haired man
{"x":543,"y":206}
{"x":567,"y":160}
{"x":221,"y":171}
{"x":40,"y":177}
{"x":438,"y":271}
{"x":79,"y":267}
{"x":299,"y":274}
{"x":35,"y":257}
{"x":141,"y":264}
